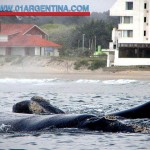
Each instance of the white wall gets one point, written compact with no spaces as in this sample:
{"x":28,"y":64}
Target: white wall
{"x":2,"y":51}
{"x":3,"y":38}
{"x":18,"y":51}
{"x":132,"y":61}
{"x":42,"y":51}
{"x":118,"y":8}
{"x":37,"y":51}
{"x":56,"y":52}
{"x":138,"y":26}
{"x":33,"y":51}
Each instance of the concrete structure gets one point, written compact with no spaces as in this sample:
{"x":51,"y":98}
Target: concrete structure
{"x":25,"y":39}
{"x":131,"y":41}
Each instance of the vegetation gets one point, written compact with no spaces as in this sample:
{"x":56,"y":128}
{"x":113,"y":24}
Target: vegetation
{"x":98,"y":31}
{"x":90,"y":63}
{"x":61,"y":34}
{"x":69,"y":31}
{"x":81,"y":63}
{"x":71,"y":37}
{"x":96,"y":64}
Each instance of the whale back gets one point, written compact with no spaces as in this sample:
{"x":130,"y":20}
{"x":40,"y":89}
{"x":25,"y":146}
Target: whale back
{"x":142,"y":111}
{"x":45,"y":105}
{"x":29,"y":123}
{"x":37,"y":105}
{"x":32,"y":122}
{"x":22,"y":107}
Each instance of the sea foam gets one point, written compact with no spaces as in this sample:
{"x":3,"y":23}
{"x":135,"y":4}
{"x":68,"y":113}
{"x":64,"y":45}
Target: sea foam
{"x":4,"y":128}
{"x":24,"y":81}
{"x":87,"y":81}
{"x":119,"y":81}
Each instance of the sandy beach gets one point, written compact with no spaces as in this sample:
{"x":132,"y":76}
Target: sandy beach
{"x":45,"y":73}
{"x":44,"y":68}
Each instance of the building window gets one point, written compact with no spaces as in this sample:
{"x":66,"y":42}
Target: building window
{"x":144,"y":33}
{"x":114,"y":46}
{"x":144,"y":19}
{"x":121,"y":19}
{"x":128,"y":33}
{"x":128,"y":19}
{"x":129,"y":5}
{"x":145,"y":5}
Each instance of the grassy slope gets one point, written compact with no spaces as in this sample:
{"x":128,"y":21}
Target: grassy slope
{"x":56,"y":30}
{"x":59,"y":33}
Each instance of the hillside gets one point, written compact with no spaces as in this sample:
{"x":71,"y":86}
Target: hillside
{"x":40,"y":20}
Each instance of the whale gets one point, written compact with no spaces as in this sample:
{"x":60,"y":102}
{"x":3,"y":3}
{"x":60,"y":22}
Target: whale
{"x":33,"y":122}
{"x":142,"y":111}
{"x":36,"y":105}
{"x":39,"y":105}
{"x":37,"y":114}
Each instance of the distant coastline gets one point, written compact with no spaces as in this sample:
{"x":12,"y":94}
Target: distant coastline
{"x":44,"y":68}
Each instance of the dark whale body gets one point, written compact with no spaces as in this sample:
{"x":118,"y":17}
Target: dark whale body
{"x":37,"y":105}
{"x":55,"y":118}
{"x":88,"y":122}
{"x":142,"y":111}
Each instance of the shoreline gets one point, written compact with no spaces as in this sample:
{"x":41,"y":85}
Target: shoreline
{"x":47,"y":68}
{"x":91,"y":75}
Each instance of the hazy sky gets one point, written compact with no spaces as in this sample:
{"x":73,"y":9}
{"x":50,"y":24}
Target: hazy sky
{"x":95,"y":5}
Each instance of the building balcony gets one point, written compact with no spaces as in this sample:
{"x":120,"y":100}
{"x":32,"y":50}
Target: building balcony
{"x":126,"y":40}
{"x":130,"y":40}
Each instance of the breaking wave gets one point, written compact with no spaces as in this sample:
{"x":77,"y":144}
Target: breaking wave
{"x":87,"y":81}
{"x":24,"y":81}
{"x":56,"y":80}
{"x":112,"y":82}
{"x":5,"y":128}
{"x":120,"y":81}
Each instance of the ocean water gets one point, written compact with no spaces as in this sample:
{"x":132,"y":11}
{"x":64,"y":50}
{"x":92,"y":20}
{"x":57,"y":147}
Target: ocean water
{"x":97,"y":97}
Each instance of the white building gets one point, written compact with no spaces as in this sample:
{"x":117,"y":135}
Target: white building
{"x":130,"y":44}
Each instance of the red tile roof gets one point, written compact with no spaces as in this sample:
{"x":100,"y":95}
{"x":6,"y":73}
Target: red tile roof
{"x":21,"y":40}
{"x":8,"y":29}
{"x":28,"y":41}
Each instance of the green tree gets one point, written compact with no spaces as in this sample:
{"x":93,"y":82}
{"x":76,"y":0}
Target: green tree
{"x":99,"y":31}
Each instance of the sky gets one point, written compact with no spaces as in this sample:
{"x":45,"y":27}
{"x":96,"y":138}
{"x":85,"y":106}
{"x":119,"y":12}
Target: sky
{"x":95,"y":5}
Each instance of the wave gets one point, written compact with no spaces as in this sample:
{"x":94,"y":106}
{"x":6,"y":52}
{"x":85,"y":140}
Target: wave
{"x":5,"y":128}
{"x":87,"y":81}
{"x":119,"y":81}
{"x":26,"y":81}
{"x":44,"y":81}
{"x":56,"y":80}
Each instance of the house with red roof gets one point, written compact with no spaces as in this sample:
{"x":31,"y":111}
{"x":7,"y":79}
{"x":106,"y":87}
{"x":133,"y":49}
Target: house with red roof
{"x":25,"y":40}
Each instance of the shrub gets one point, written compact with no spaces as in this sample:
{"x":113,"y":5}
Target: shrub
{"x":96,"y":64}
{"x":90,"y":63}
{"x":81,"y":63}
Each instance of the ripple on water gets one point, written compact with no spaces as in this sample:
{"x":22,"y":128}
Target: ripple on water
{"x":96,"y":97}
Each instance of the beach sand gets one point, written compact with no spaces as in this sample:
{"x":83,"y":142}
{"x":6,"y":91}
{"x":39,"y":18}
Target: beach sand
{"x":44,"y":68}
{"x":47,"y":72}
